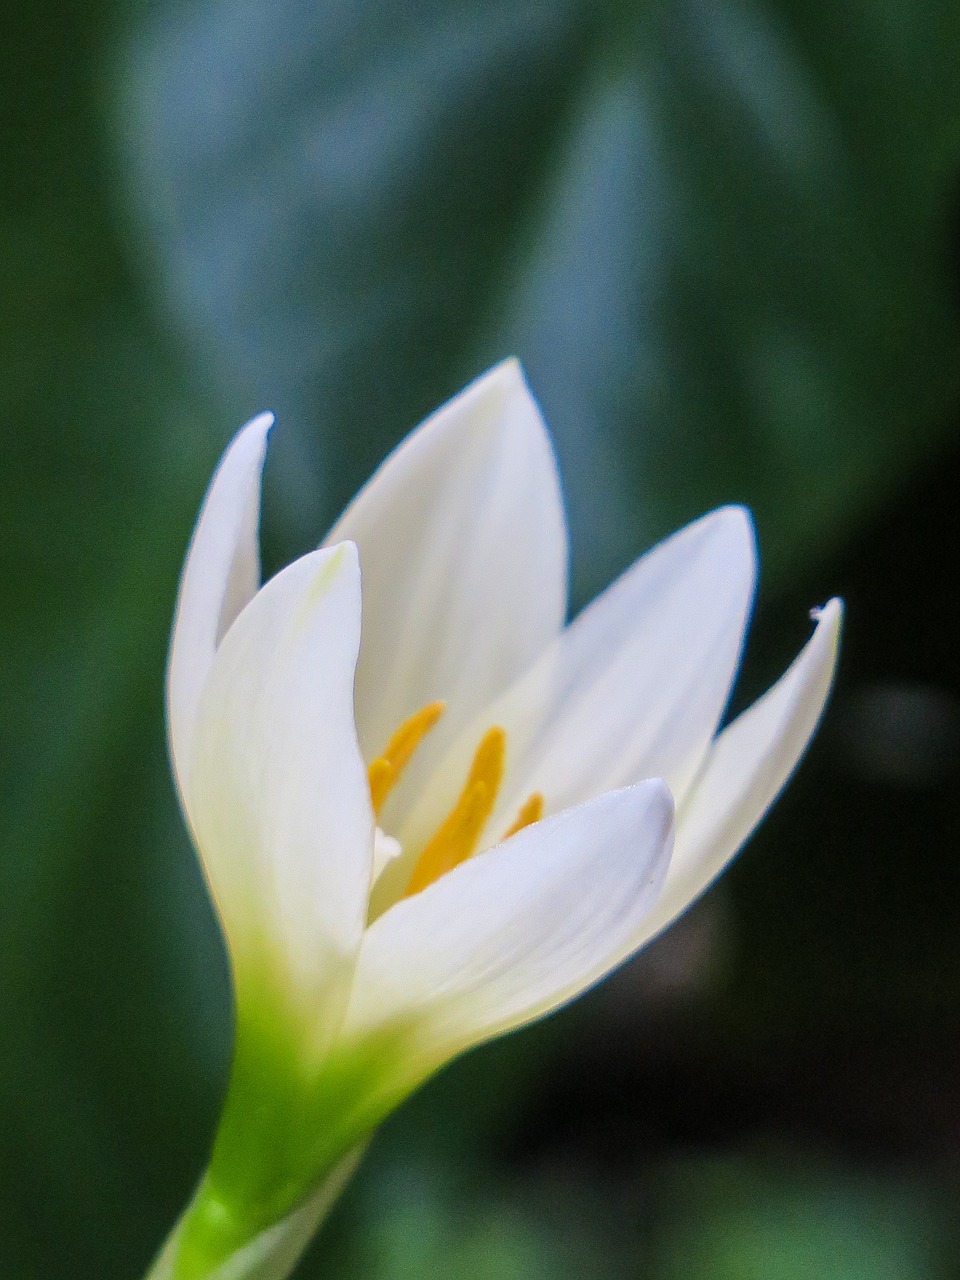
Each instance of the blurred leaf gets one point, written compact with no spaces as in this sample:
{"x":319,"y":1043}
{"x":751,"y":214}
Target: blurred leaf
{"x":739,"y":1219}
{"x":716,"y":232}
{"x":423,"y":1219}
{"x":105,"y":453}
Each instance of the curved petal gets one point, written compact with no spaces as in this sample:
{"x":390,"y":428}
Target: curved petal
{"x":512,"y":933}
{"x":634,"y":688}
{"x":463,"y":549}
{"x":277,"y":789}
{"x":747,"y":766}
{"x":220,"y":575}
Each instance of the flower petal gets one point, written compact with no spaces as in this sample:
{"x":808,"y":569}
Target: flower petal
{"x":277,"y":788}
{"x":634,"y":687}
{"x":747,"y":766}
{"x":512,"y":933}
{"x":463,"y":548}
{"x":220,"y":575}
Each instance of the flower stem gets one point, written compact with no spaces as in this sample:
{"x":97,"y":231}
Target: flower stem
{"x":199,"y":1247}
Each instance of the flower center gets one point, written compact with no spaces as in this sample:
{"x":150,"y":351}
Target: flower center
{"x":457,"y":837}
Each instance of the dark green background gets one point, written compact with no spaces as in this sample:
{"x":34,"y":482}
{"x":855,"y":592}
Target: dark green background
{"x":723,"y":237}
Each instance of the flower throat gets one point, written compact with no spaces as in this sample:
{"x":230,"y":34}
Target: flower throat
{"x":458,"y":835}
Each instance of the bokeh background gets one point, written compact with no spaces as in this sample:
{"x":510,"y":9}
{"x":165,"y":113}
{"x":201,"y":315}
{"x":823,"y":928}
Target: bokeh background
{"x":723,"y":237}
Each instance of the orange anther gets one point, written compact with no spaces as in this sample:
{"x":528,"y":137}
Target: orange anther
{"x":383,"y":772}
{"x":530,"y":811}
{"x":458,"y":834}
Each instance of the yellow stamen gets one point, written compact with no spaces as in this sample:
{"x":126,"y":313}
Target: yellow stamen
{"x":530,"y":811}
{"x":383,"y":772}
{"x":460,"y":831}
{"x":380,"y":777}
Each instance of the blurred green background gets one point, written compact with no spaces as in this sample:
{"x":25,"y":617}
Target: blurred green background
{"x":723,"y":236}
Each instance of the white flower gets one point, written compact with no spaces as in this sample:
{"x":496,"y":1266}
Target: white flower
{"x":383,"y":933}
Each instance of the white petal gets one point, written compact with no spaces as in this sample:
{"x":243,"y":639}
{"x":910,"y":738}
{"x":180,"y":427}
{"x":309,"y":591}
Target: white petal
{"x":514,"y":932}
{"x":463,"y":549}
{"x":220,"y":575}
{"x":747,"y":766}
{"x":277,"y":788}
{"x":634,"y":688}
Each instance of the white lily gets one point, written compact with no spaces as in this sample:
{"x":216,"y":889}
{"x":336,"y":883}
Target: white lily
{"x":428,"y":836}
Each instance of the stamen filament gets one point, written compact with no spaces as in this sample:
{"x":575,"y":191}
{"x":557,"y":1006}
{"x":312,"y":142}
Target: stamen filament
{"x":458,"y":834}
{"x":384,"y":771}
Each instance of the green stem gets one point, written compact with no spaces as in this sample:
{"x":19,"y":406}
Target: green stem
{"x":196,"y":1249}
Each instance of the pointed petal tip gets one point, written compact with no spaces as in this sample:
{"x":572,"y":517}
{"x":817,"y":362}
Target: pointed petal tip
{"x":255,"y":433}
{"x":513,"y":377}
{"x":221,"y":574}
{"x":728,"y":537}
{"x":242,"y":459}
{"x":823,"y":647}
{"x":330,"y":564}
{"x":312,"y":579}
{"x":346,"y":552}
{"x":749,"y":765}
{"x":262,"y":421}
{"x":739,"y":515}
{"x":661,"y":810}
{"x":735,"y":522}
{"x":731,"y":523}
{"x":829,"y":615}
{"x":503,"y":383}
{"x":508,"y":372}
{"x":657,"y":795}
{"x":244,"y":455}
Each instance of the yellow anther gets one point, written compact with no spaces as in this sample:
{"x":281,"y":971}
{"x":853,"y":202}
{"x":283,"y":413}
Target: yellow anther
{"x":530,"y":811}
{"x":383,"y":772}
{"x":380,"y":778}
{"x":458,"y":834}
